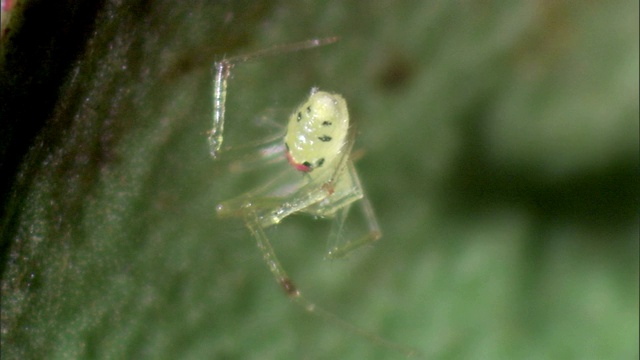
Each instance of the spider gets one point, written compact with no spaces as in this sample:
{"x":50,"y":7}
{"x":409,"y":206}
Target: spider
{"x":321,"y":179}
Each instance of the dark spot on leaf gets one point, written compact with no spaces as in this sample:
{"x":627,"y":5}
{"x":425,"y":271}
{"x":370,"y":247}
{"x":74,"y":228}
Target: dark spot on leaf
{"x":395,"y":73}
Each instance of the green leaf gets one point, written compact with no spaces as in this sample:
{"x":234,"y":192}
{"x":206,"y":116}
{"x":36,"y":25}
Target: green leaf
{"x":500,"y":151}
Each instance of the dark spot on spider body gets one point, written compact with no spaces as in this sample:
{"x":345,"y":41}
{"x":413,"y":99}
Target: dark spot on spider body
{"x":299,"y":116}
{"x":307,"y":164}
{"x":320,"y":162}
{"x":327,"y":123}
{"x":325,"y":138}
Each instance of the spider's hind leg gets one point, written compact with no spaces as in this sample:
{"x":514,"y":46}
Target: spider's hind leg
{"x":269,"y":256}
{"x":339,"y":244}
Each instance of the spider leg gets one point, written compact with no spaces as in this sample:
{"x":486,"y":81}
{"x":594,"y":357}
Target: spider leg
{"x":269,"y":256}
{"x":222,"y":72}
{"x":266,"y":119}
{"x":286,"y":193}
{"x":254,"y":155}
{"x":373,"y":234}
{"x":337,"y":228}
{"x":275,"y":200}
{"x":338,"y":248}
{"x":256,"y":199}
{"x":266,"y":206}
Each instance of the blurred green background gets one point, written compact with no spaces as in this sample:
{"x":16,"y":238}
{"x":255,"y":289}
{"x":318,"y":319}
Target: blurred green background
{"x":500,"y":143}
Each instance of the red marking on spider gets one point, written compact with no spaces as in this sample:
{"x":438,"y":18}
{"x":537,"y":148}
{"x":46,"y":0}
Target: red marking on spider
{"x":298,"y":166}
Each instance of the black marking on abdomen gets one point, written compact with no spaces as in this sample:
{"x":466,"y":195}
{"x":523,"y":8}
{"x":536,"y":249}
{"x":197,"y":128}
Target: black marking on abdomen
{"x":325,"y":138}
{"x":327,"y":123}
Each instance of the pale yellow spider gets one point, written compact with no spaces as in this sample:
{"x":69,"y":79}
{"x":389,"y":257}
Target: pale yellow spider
{"x":321,"y":181}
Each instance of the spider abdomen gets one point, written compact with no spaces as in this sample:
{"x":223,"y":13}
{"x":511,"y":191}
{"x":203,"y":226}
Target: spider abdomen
{"x":317,"y":130}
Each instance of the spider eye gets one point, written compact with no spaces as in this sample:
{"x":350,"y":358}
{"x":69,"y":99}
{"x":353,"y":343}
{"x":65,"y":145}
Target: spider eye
{"x":307,"y":164}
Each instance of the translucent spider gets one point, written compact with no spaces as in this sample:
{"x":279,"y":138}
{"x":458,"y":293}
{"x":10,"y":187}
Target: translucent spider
{"x":321,"y":179}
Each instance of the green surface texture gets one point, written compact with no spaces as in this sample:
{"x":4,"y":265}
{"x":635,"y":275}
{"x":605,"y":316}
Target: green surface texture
{"x":498,"y":143}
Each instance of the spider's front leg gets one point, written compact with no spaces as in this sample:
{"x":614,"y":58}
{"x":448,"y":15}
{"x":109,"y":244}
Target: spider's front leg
{"x":222,"y":71}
